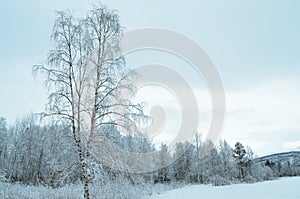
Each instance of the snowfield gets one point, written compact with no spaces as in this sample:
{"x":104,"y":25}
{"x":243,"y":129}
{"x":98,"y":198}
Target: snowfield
{"x":284,"y":188}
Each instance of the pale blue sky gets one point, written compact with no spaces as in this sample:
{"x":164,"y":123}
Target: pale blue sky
{"x":254,"y":44}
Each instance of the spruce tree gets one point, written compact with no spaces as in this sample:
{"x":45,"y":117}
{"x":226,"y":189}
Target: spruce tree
{"x":239,"y":153}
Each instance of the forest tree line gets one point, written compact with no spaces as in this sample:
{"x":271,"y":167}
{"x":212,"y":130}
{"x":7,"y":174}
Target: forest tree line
{"x":37,"y":154}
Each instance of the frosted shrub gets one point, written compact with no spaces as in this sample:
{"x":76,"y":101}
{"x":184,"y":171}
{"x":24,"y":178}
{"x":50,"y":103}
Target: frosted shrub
{"x":219,"y":181}
{"x":2,"y":176}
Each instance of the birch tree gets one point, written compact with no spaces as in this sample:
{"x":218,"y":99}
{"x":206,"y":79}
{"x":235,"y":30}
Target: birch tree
{"x":86,"y":76}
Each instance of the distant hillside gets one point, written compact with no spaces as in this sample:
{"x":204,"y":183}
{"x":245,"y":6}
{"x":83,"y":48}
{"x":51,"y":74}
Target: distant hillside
{"x":282,"y":164}
{"x":292,"y":157}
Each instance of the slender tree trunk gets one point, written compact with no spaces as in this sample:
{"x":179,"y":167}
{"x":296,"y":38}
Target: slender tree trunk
{"x":83,"y":167}
{"x":77,"y":135}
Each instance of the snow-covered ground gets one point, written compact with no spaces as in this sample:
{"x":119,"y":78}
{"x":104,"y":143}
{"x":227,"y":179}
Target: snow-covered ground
{"x":284,"y":188}
{"x":107,"y":191}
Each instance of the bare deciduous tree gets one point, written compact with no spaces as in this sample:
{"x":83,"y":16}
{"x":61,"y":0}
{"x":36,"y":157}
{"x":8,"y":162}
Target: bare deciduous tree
{"x":86,"y":77}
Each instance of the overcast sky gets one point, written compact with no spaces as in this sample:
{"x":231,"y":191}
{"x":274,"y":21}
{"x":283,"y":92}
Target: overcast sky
{"x":255,"y":46}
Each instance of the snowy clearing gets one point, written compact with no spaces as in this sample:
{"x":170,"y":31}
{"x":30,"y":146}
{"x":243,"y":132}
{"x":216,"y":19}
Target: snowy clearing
{"x":284,"y":188}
